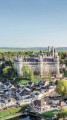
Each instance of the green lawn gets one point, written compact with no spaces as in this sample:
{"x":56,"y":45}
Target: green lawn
{"x":12,"y":111}
{"x":49,"y":114}
{"x":20,"y":80}
{"x":36,"y":79}
{"x":60,"y":113}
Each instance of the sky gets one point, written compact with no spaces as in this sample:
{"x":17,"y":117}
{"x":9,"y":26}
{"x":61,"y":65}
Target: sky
{"x":33,"y":23}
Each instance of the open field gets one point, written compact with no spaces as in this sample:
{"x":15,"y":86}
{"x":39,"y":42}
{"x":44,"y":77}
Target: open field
{"x":11,"y":50}
{"x":22,"y":50}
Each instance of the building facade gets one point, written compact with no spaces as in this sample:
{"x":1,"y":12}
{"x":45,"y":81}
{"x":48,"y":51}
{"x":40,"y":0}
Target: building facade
{"x":42,"y":64}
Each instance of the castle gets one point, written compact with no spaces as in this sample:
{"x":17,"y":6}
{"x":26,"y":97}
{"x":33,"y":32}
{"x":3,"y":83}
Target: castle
{"x":42,"y":64}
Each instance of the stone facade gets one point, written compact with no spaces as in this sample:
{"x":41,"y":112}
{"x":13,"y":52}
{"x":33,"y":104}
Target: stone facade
{"x":42,"y":64}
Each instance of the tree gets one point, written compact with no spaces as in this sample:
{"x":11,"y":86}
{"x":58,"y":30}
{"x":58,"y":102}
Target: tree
{"x":61,"y":87}
{"x":5,"y":70}
{"x":27,"y":72}
{"x":8,"y":72}
{"x":30,"y":75}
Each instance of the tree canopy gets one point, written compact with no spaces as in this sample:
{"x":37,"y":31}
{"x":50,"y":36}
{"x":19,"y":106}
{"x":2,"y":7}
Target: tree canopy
{"x":8,"y":72}
{"x":61,"y":87}
{"x":27,"y":72}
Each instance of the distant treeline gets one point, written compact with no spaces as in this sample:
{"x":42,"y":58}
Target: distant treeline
{"x":30,"y":48}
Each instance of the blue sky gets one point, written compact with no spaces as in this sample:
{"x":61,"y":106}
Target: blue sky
{"x":33,"y":23}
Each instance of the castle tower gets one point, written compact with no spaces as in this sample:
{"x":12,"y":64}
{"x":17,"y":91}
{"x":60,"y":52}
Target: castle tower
{"x":49,"y":49}
{"x":56,"y":59}
{"x":52,"y":51}
{"x":18,"y":64}
{"x":40,"y":58}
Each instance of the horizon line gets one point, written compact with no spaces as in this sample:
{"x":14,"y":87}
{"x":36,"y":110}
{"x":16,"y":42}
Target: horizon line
{"x":36,"y":47}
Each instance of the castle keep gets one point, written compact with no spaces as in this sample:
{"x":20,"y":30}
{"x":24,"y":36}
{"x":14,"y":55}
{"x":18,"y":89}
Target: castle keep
{"x":42,"y":64}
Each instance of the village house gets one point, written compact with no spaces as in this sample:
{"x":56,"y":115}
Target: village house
{"x":23,"y":94}
{"x":39,"y":105}
{"x":10,"y":102}
{"x":38,"y":94}
{"x":7,"y":103}
{"x":2,"y":105}
{"x":27,"y":100}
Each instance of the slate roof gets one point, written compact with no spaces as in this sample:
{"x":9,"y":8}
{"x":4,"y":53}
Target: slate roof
{"x":31,"y":59}
{"x":48,"y":59}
